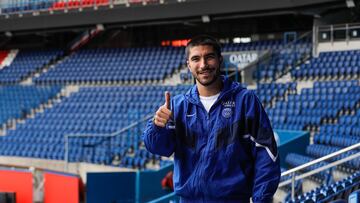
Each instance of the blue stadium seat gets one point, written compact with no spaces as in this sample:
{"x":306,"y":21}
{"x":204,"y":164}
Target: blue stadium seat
{"x":354,"y":197}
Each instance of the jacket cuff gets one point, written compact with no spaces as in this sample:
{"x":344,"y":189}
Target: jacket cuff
{"x":158,"y":129}
{"x":261,"y":200}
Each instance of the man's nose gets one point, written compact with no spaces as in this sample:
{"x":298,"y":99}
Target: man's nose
{"x":203,"y":63}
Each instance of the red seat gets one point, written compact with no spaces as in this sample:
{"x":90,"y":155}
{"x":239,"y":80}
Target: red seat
{"x":3,"y":55}
{"x":70,"y":4}
{"x":56,"y":5}
{"x":87,"y":3}
{"x":76,"y":4}
{"x":102,"y":2}
{"x":61,"y":5}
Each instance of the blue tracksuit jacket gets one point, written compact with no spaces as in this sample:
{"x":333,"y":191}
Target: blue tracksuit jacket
{"x":226,"y":155}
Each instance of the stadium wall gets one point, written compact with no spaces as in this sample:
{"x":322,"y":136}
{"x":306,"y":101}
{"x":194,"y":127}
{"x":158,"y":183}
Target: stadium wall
{"x":152,"y":13}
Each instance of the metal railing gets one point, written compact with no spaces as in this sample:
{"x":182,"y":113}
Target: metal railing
{"x":109,"y":136}
{"x":292,"y":46}
{"x":291,"y":172}
{"x":295,"y":177}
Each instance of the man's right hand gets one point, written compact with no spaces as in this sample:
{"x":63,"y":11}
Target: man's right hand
{"x":163,"y":114}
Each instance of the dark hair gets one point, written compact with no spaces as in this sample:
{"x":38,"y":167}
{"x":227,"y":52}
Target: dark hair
{"x":203,"y":40}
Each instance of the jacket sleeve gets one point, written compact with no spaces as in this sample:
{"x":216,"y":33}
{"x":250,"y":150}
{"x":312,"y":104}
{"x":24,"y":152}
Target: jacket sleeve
{"x":266,"y":161}
{"x":158,"y":140}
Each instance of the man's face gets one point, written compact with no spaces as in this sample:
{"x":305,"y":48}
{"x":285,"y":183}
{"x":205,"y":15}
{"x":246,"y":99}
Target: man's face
{"x":204,"y":64}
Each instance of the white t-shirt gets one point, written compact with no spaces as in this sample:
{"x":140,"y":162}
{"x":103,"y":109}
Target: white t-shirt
{"x":208,"y":101}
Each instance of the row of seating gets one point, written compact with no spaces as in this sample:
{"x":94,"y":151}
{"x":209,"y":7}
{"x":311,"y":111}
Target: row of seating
{"x":25,"y":6}
{"x":330,"y":84}
{"x":314,"y":105}
{"x":115,"y":65}
{"x":61,"y":5}
{"x":32,"y":6}
{"x":278,"y":45}
{"x":17,"y":101}
{"x":341,"y":127}
{"x":294,"y":160}
{"x":341,"y":140}
{"x":73,"y":4}
{"x":335,"y":54}
{"x":318,"y":150}
{"x":269,"y":93}
{"x":330,"y":65}
{"x":282,"y":61}
{"x":323,"y":73}
{"x":91,"y":110}
{"x":340,"y":190}
{"x":25,"y":64}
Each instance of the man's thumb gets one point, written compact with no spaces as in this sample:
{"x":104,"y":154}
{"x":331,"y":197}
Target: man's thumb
{"x":167,"y":100}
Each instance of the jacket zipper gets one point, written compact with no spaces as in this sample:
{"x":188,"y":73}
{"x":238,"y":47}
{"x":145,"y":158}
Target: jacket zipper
{"x":203,"y":154}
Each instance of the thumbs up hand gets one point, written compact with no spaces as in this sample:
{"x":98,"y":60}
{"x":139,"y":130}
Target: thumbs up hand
{"x":163,"y":114}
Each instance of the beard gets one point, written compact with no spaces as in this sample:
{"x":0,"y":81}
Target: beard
{"x":211,"y":78}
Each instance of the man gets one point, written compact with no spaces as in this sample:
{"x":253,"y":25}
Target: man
{"x":223,"y":144}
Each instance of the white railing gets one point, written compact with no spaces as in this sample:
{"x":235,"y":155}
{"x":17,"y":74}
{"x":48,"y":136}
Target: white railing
{"x":295,"y":177}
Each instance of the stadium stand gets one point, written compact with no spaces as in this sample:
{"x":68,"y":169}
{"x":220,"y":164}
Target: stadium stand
{"x":18,"y":101}
{"x":118,"y":87}
{"x":354,"y":197}
{"x":60,"y":5}
{"x":270,"y":93}
{"x":321,"y":150}
{"x":92,"y":110}
{"x":25,"y":64}
{"x":330,"y":65}
{"x":329,"y":107}
{"x":283,"y":60}
{"x":327,"y":193}
{"x":342,"y":134}
{"x":283,"y":56}
{"x":26,"y":6}
{"x":315,"y":106}
{"x":294,"y":160}
{"x":112,"y":65}
{"x":97,"y":109}
{"x":115,"y":66}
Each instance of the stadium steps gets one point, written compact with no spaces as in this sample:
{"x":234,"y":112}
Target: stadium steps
{"x":65,"y":92}
{"x":287,"y":74}
{"x":44,"y":69}
{"x":308,"y":185}
{"x":284,"y":78}
{"x":284,"y":192}
{"x":174,"y":79}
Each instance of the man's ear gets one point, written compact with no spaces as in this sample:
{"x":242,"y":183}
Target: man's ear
{"x":187,"y":64}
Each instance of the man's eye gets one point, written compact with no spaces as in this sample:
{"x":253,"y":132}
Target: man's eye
{"x":210,"y":57}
